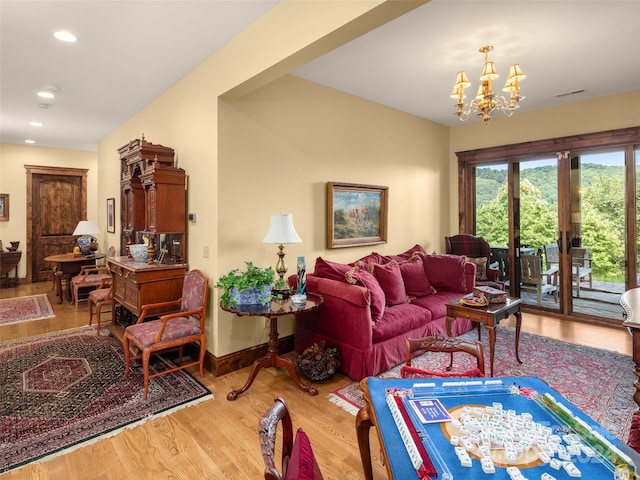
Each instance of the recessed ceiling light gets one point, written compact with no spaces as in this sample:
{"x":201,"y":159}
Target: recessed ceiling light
{"x":65,"y":36}
{"x":35,"y":124}
{"x":46,"y":94}
{"x":29,"y":141}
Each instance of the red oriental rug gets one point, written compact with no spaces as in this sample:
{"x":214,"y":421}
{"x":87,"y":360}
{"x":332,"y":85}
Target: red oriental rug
{"x":21,"y":309}
{"x":65,"y":389}
{"x":599,"y":382}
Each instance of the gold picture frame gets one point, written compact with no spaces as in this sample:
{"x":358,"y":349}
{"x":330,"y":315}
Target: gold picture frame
{"x":4,"y":207}
{"x":356,"y":214}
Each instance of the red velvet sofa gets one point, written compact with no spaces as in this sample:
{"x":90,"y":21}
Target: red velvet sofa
{"x":373,"y":304}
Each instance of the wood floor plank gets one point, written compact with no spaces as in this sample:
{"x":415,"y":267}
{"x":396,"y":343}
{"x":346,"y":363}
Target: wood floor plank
{"x":218,"y":439}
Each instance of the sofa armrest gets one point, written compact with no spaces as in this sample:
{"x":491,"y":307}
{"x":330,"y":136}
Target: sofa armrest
{"x":345,"y":314}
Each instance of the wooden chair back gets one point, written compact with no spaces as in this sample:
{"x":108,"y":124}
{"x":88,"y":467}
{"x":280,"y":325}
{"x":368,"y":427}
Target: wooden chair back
{"x":450,"y":345}
{"x":277,"y":414}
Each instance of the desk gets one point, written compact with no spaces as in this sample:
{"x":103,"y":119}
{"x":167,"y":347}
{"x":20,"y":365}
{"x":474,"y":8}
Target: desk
{"x":68,"y":266}
{"x":273,"y":358}
{"x":489,"y":316}
{"x":136,"y":284}
{"x":376,"y":413}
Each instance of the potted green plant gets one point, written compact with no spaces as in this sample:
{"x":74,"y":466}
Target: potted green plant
{"x":250,"y":287}
{"x":281,"y":289}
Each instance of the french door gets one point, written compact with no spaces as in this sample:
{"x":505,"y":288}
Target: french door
{"x":576,"y":208}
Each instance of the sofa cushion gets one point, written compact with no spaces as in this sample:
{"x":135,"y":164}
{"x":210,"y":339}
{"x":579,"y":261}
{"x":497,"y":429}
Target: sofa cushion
{"x":481,"y":267}
{"x":446,"y":271}
{"x":334,"y":271}
{"x":405,"y":255}
{"x":390,"y":280}
{"x":416,"y":282}
{"x":436,"y":303}
{"x":362,"y":277}
{"x":398,"y":320}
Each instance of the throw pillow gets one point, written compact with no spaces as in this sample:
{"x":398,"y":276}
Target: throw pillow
{"x":413,"y":372}
{"x":364,"y":262}
{"x":481,"y":267}
{"x":302,"y":462}
{"x":367,"y":280}
{"x":446,"y":271}
{"x":415,"y":279}
{"x":390,"y":280}
{"x":405,"y":255}
{"x":331,"y":270}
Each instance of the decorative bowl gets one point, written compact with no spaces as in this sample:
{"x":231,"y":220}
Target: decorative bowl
{"x":139,"y":252}
{"x":14,"y":246}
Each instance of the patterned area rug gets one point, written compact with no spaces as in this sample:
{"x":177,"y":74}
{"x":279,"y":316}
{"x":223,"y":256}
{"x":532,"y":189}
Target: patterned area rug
{"x":21,"y":309}
{"x":599,"y":382}
{"x":65,"y":389}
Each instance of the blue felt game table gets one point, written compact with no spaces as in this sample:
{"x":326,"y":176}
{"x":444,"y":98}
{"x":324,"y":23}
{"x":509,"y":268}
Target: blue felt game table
{"x":377,"y":413}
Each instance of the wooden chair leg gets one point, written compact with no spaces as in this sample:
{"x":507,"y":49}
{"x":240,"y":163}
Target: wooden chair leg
{"x":91,"y":312}
{"x":127,"y":354}
{"x":146,"y":355}
{"x":98,"y":310}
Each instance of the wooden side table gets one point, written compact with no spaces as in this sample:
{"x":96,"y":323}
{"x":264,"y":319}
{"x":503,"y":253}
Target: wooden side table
{"x":273,"y":358}
{"x":489,"y":316}
{"x":8,"y":262}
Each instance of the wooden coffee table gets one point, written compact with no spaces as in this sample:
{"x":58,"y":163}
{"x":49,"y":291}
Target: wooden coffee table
{"x":489,"y":316}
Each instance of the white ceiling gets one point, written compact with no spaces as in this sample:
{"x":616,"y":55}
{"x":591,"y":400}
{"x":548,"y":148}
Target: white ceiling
{"x":129,"y":52}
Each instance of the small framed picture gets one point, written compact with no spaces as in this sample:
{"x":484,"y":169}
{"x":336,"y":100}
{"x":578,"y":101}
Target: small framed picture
{"x":111,"y":215}
{"x":4,"y":207}
{"x":356,"y":214}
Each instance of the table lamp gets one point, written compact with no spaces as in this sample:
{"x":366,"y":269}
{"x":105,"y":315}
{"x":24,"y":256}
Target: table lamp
{"x":87,"y":242}
{"x":281,"y":231}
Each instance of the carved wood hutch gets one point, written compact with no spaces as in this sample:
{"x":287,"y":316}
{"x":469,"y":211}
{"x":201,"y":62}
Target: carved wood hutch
{"x":153,"y":210}
{"x":153,"y":200}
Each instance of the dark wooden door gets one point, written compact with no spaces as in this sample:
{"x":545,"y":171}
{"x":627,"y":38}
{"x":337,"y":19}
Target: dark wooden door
{"x":57,"y":203}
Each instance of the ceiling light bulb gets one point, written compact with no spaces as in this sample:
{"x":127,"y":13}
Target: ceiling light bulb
{"x":65,"y":36}
{"x":29,"y":141}
{"x":46,"y":94}
{"x":35,"y":124}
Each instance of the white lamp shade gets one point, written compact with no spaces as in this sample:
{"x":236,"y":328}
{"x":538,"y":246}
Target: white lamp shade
{"x":281,"y":230}
{"x":86,"y":227}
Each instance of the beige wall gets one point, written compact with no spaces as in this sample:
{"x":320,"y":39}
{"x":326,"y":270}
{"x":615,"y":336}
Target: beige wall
{"x":185,"y":118}
{"x":278,"y":149}
{"x":597,"y":115}
{"x":13,"y":180}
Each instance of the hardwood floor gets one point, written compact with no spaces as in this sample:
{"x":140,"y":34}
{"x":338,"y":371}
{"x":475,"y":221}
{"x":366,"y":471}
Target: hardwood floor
{"x":218,"y":439}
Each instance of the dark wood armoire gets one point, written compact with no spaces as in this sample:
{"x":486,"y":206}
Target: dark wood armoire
{"x":153,"y":200}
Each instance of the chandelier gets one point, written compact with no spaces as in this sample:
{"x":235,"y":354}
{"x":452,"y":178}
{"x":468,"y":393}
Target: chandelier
{"x":485,"y":101}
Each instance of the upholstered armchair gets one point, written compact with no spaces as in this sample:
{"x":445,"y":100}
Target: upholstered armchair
{"x":89,"y":278}
{"x":171,"y":331}
{"x":477,"y":251}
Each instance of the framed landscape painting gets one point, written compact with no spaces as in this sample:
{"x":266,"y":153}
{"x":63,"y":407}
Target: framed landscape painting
{"x":356,"y":214}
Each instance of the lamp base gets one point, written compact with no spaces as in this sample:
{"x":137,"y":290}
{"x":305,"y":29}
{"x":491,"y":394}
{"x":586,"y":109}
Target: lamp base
{"x":87,"y":244}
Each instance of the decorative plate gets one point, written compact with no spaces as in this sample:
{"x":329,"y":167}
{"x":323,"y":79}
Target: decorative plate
{"x":472,"y":301}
